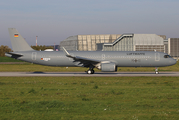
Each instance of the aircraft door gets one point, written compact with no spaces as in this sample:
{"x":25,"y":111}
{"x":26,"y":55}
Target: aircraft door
{"x":34,"y":54}
{"x":157,"y":56}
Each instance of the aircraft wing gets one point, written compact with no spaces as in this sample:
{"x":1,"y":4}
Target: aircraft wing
{"x":82,"y":61}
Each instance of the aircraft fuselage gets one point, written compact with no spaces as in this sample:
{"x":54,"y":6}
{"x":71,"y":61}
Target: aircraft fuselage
{"x":106,"y":61}
{"x":120,"y":58}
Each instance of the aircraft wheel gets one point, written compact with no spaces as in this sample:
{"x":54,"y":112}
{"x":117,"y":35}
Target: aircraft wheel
{"x":156,"y":72}
{"x":89,"y":72}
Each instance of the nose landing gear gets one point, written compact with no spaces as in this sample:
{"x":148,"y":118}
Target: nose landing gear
{"x":156,"y":70}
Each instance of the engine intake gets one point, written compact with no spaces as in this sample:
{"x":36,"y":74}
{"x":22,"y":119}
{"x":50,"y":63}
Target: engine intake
{"x":108,"y":67}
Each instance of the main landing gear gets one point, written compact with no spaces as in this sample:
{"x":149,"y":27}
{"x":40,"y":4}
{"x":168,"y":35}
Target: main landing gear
{"x":90,"y":71}
{"x":156,"y":70}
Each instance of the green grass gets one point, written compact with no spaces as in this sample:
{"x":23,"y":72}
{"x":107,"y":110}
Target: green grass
{"x":7,"y":59}
{"x":28,"y":67}
{"x":119,"y":98}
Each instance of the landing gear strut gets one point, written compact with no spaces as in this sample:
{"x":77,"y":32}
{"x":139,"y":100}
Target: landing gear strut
{"x":156,"y":71}
{"x":90,"y":71}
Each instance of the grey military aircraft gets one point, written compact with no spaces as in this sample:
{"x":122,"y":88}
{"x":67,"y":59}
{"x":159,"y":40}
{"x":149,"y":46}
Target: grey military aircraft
{"x":106,"y":61}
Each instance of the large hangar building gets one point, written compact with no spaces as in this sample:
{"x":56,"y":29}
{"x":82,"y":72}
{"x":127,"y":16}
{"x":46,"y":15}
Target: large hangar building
{"x":122,"y":42}
{"x":86,"y":42}
{"x":114,"y":42}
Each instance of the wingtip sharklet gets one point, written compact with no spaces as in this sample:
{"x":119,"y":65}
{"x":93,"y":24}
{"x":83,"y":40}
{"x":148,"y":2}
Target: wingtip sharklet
{"x":66,"y":52}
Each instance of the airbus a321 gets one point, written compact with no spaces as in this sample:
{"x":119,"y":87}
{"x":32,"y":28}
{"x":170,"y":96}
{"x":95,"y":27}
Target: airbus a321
{"x":106,"y":61}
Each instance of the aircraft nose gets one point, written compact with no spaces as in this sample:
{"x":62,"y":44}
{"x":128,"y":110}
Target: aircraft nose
{"x":173,"y":61}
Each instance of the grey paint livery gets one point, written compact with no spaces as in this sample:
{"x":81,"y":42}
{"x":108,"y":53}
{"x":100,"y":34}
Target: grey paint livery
{"x":106,"y":61}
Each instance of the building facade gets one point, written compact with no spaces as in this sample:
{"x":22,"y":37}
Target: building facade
{"x":86,"y":42}
{"x":173,"y":47}
{"x":114,"y":42}
{"x":124,"y":42}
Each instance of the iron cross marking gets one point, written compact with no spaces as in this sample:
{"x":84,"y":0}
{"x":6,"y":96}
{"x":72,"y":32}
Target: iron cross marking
{"x":135,"y":60}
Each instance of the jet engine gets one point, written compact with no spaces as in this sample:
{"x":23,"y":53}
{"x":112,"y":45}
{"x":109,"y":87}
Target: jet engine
{"x":108,"y":67}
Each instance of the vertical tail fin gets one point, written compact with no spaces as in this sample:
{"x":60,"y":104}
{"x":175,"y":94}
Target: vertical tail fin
{"x":17,"y":41}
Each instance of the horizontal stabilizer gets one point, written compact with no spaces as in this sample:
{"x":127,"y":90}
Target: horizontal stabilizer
{"x":13,"y":55}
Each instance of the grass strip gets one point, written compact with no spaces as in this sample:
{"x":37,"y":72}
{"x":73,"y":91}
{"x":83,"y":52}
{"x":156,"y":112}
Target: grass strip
{"x":123,"y":98}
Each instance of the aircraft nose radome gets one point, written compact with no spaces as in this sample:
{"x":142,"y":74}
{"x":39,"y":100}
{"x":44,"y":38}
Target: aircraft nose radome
{"x":173,"y":61}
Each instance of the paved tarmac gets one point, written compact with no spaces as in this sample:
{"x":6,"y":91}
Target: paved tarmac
{"x":97,"y":74}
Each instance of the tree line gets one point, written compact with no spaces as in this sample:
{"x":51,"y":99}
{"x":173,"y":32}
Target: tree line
{"x":41,"y":48}
{"x":6,"y":49}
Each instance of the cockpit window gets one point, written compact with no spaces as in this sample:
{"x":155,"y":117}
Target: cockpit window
{"x":167,"y":56}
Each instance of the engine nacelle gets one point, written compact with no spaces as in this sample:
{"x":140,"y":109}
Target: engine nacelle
{"x":108,"y":67}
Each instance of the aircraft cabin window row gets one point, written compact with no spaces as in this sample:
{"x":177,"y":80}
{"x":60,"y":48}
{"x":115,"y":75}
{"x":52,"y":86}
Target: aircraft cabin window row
{"x":166,"y":56}
{"x":116,"y":57}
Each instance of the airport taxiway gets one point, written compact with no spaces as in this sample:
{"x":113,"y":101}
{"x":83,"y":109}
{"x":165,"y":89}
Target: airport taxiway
{"x":83,"y":74}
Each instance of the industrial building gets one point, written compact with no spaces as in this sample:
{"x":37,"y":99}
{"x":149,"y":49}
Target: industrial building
{"x":173,"y":47}
{"x":86,"y":42}
{"x":122,"y":42}
{"x":117,"y":42}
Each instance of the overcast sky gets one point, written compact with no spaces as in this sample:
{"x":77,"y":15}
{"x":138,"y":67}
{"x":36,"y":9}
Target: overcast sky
{"x":55,"y":20}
